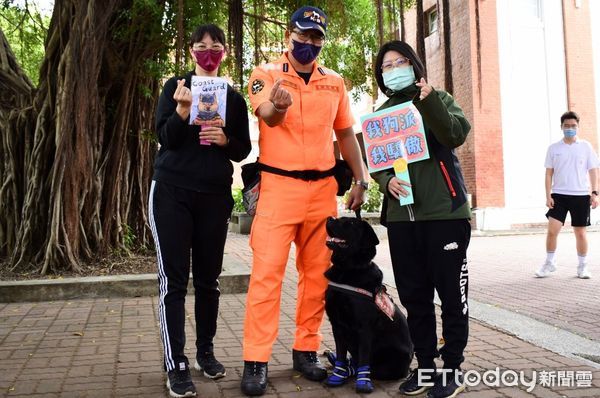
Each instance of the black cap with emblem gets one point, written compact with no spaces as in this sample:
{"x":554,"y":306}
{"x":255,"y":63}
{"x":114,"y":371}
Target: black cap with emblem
{"x":308,"y":17}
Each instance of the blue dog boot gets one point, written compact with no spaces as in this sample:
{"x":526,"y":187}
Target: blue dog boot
{"x":332,"y":358}
{"x":364,"y":384}
{"x":339,"y":376}
{"x":352,"y":366}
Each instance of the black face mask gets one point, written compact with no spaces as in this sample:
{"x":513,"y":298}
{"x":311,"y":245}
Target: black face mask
{"x":305,"y":53}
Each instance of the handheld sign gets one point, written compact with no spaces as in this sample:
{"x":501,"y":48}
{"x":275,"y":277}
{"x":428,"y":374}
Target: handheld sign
{"x":395,"y":134}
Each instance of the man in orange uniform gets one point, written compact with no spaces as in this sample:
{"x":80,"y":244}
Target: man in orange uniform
{"x":298,"y":103}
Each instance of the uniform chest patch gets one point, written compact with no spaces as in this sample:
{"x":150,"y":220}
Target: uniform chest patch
{"x":327,"y":87}
{"x":289,"y":84}
{"x":257,"y":86}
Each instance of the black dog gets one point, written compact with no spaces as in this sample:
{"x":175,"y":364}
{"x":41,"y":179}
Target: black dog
{"x":379,"y":343}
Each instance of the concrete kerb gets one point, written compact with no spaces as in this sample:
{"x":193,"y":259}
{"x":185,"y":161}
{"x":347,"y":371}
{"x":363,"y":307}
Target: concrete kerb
{"x":234,"y":279}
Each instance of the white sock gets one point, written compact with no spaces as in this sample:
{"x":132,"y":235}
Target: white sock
{"x":581,"y":259}
{"x":550,"y":257}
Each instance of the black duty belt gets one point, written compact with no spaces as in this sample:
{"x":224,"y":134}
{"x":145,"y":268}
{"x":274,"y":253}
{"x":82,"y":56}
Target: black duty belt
{"x":306,"y":175}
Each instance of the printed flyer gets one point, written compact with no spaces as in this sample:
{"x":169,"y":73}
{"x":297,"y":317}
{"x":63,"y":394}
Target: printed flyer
{"x":209,"y":102}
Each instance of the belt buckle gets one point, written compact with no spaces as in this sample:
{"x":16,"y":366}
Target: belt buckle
{"x":310,"y":175}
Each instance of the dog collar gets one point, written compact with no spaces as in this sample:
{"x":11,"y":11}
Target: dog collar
{"x":352,"y":288}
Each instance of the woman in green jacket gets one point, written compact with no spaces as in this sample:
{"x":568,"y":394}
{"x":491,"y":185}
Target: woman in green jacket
{"x":428,"y":239}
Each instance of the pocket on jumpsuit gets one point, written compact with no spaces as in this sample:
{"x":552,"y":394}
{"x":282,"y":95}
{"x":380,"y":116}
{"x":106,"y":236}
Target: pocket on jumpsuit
{"x":263,"y":216}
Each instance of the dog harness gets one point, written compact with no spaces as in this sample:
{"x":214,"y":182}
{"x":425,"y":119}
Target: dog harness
{"x":351,"y":288}
{"x":382,"y":299}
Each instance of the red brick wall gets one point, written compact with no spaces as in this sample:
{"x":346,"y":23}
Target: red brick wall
{"x":580,"y":67}
{"x":462,"y":79}
{"x":487,"y":116}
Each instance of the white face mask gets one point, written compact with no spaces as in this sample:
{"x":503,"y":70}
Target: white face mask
{"x":399,"y":78}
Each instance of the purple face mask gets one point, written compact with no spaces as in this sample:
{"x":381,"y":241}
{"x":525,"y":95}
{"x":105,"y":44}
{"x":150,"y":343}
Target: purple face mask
{"x":209,"y":60}
{"x":305,"y":53}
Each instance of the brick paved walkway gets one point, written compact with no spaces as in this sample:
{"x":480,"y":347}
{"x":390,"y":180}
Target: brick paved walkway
{"x":110,"y":347}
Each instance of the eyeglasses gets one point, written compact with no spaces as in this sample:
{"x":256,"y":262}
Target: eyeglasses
{"x":397,"y":63}
{"x":306,"y":36}
{"x":203,"y":47}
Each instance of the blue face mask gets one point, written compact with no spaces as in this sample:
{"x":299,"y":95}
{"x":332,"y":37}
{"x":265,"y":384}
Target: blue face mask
{"x":399,"y":78}
{"x":569,"y":133}
{"x":305,"y":53}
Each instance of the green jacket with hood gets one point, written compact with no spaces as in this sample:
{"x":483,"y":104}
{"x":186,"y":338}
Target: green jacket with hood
{"x":437,"y":183}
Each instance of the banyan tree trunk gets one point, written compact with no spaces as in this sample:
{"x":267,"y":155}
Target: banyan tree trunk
{"x":77,"y":151}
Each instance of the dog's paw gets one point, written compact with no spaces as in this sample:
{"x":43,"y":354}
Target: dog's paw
{"x":339,"y":376}
{"x":364,"y":385}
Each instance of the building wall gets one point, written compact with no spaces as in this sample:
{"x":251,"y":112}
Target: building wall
{"x":462,"y":71}
{"x":533,"y":96}
{"x":595,"y":16}
{"x":580,"y":66}
{"x":486,"y":107}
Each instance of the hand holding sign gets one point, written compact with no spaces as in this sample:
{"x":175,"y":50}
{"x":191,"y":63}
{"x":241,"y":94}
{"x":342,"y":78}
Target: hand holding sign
{"x":280,"y":97}
{"x":403,"y":178}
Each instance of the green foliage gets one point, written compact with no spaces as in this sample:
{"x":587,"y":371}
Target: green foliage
{"x":237,"y":200}
{"x":351,"y":42}
{"x":129,"y":236}
{"x":25,"y":30}
{"x":148,"y":135}
{"x":374,"y":198}
{"x":349,"y":49}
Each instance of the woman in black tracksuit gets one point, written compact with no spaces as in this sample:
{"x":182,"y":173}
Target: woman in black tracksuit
{"x":190,"y":206}
{"x":428,"y":239}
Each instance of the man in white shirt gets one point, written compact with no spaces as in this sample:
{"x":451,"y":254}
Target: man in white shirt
{"x":571,"y":169}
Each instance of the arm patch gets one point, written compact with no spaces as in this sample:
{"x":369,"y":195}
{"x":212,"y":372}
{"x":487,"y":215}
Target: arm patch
{"x":257,"y":86}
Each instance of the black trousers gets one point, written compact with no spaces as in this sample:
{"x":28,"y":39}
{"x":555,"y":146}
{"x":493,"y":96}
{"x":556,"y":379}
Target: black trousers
{"x":184,"y":220}
{"x":428,"y":255}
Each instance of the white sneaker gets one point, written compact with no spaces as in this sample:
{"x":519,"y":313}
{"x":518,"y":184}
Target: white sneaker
{"x":583,"y":272}
{"x":545,"y":269}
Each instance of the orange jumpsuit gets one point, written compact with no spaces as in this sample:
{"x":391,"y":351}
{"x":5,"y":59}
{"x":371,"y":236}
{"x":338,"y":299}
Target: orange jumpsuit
{"x":293,"y":210}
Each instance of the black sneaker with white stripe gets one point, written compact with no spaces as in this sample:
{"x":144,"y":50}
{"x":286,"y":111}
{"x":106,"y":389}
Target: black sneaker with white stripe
{"x":447,"y":385}
{"x":207,"y":363}
{"x":418,"y":381}
{"x":180,"y":384}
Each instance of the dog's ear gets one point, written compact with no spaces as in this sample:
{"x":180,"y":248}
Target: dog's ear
{"x":369,"y":237}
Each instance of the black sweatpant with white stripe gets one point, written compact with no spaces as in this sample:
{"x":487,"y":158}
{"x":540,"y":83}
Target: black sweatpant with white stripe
{"x":184,"y":220}
{"x":428,"y":255}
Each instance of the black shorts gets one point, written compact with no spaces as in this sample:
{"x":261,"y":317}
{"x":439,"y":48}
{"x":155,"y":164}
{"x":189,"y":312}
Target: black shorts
{"x":578,"y":206}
